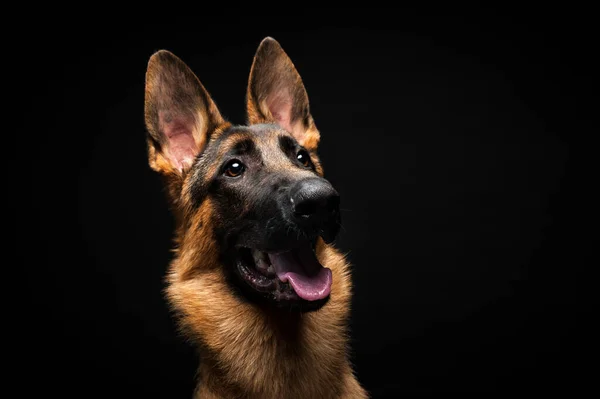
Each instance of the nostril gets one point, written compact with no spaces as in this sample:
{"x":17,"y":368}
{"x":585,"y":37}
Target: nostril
{"x":312,"y":206}
{"x":306,"y":208}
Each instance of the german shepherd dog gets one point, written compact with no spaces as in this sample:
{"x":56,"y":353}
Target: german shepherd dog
{"x":254,"y":280}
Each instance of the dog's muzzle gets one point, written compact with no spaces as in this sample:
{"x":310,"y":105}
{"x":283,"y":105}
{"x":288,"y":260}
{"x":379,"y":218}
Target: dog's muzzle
{"x":284,"y":266}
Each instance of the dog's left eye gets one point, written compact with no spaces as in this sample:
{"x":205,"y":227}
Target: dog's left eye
{"x":303,"y":158}
{"x":234,"y":168}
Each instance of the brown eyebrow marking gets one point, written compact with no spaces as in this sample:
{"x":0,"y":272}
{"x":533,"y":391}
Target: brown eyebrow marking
{"x":234,"y":142}
{"x":286,"y":143}
{"x":243,"y":146}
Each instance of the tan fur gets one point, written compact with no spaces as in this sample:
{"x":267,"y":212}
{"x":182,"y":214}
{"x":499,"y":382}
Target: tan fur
{"x":247,"y":351}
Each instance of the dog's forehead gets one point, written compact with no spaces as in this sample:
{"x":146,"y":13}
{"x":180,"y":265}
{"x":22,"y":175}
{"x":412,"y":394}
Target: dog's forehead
{"x":264,"y":140}
{"x":266,"y":129}
{"x":263,"y":135}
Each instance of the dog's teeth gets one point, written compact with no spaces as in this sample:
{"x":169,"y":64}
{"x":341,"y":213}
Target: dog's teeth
{"x":256,"y":254}
{"x":264,"y":257}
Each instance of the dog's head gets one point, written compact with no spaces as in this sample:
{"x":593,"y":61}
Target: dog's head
{"x":252,"y":199}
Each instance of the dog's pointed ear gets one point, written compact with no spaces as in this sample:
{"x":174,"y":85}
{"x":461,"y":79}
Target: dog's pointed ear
{"x":276,"y":94}
{"x":180,"y":114}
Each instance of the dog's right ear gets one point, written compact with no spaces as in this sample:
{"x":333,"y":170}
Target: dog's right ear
{"x":180,"y":114}
{"x":276,"y":94}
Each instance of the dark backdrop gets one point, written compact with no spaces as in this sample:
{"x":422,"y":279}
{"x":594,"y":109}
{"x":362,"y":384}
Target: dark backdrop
{"x":448,"y":136}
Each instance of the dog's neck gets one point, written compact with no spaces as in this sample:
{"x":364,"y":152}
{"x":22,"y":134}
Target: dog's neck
{"x":292,"y":361}
{"x":249,"y":352}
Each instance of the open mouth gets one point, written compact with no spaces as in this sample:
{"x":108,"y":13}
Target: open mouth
{"x":290,"y":275}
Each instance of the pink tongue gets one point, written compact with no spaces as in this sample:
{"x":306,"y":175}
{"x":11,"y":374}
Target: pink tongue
{"x":308,"y":278}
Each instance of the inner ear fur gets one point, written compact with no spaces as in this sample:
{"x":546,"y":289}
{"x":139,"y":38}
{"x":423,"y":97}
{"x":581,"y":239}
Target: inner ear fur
{"x":180,"y":115}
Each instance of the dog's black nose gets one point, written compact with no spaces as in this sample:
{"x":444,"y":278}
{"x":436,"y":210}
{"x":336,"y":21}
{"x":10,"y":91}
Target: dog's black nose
{"x":315,"y":207}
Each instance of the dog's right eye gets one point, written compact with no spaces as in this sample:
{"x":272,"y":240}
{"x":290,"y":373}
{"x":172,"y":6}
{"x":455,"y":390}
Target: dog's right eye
{"x":234,"y":168}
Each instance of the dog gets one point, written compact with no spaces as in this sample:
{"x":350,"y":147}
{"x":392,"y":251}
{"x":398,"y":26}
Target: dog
{"x":255,"y":281}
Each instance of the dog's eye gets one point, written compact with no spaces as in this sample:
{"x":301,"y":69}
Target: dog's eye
{"x":234,"y":168}
{"x":303,"y":158}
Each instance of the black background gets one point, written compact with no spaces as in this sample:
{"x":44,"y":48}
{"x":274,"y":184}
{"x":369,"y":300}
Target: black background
{"x":449,"y":136}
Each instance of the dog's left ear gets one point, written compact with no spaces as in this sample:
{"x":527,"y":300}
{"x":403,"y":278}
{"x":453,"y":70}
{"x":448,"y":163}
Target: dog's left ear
{"x":276,"y":94}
